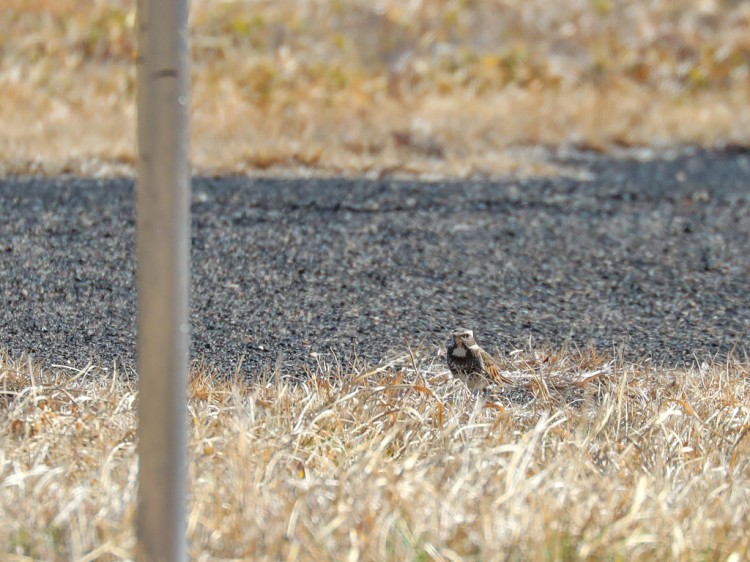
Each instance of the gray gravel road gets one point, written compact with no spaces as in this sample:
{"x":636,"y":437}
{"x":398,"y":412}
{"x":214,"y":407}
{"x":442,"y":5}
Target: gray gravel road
{"x":649,"y":255}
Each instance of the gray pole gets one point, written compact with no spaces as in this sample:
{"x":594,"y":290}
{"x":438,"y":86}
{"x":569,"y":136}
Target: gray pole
{"x":163,"y":231}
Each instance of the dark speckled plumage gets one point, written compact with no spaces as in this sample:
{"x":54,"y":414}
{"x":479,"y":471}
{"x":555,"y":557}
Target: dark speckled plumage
{"x":472,"y":364}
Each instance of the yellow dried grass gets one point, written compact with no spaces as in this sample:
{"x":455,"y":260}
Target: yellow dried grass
{"x":423,"y":88}
{"x":393,"y":463}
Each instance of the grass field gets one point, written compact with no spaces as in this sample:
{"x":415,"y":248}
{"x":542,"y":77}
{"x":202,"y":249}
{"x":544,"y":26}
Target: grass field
{"x":590,"y":458}
{"x":424,"y":88}
{"x":395,"y":463}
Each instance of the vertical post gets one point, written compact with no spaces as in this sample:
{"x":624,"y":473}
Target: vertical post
{"x":163,"y":234}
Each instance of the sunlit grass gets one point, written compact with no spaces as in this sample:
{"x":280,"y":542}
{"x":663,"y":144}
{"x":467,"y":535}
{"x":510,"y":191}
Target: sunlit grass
{"x":422,"y":88}
{"x":394,"y":463}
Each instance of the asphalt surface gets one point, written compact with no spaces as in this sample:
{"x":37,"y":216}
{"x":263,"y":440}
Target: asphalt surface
{"x":650,"y":256}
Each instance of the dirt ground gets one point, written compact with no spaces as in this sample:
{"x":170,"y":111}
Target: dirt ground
{"x":648,"y":258}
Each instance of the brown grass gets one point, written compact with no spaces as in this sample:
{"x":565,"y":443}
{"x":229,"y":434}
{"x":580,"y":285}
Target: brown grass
{"x":423,"y":88}
{"x":395,"y":463}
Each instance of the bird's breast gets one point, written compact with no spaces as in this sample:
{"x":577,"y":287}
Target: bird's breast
{"x":458,"y":352}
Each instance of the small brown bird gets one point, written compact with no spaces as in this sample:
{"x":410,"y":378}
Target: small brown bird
{"x":472,"y":364}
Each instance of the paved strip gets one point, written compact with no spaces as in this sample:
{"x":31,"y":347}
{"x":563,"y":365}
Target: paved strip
{"x":649,"y":256}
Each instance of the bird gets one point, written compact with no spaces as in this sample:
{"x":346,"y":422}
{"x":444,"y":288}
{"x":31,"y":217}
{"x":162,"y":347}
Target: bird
{"x":472,"y":364}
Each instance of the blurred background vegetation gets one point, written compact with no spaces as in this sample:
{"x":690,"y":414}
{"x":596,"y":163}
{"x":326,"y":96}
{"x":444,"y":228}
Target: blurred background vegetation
{"x":419,"y":87}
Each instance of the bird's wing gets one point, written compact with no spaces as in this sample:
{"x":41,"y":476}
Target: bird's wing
{"x":493,"y":370}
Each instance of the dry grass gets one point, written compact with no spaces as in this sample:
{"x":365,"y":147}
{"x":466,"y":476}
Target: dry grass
{"x":395,"y":463}
{"x":426,"y":87}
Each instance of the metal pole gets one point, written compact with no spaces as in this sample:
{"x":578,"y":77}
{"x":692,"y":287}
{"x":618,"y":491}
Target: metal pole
{"x":163,"y":234}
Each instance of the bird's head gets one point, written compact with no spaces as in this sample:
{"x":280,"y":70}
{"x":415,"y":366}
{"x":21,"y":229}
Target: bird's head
{"x":463,"y":338}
